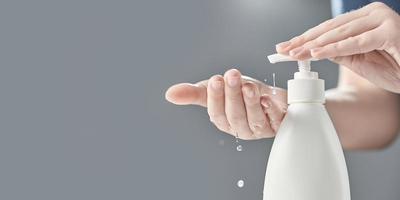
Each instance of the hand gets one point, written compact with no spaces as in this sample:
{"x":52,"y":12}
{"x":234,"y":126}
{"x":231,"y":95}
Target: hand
{"x":236,"y":104}
{"x":367,"y":41}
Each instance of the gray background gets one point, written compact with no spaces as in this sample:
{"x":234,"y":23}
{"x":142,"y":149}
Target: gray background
{"x":83,"y":114}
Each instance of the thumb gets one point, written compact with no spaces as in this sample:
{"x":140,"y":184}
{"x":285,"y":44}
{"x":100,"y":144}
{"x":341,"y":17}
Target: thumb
{"x":342,"y":60}
{"x":188,"y":94}
{"x":351,"y":62}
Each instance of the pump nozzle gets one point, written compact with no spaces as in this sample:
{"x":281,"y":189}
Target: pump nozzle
{"x":306,"y":86}
{"x":304,"y":65}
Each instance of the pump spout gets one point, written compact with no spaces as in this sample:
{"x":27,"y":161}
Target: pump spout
{"x":304,"y":65}
{"x":275,"y":58}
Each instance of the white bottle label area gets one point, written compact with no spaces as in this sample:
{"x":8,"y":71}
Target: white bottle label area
{"x":306,"y":161}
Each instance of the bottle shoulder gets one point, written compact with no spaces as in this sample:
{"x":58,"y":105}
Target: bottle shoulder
{"x":307,"y":118}
{"x":311,"y":111}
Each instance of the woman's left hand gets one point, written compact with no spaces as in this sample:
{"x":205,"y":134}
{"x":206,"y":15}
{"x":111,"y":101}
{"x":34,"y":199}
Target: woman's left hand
{"x":367,"y":41}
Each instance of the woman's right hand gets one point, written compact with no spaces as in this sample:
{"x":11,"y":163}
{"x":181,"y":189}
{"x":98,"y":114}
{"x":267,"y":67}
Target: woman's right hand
{"x":238,"y":105}
{"x":367,"y":41}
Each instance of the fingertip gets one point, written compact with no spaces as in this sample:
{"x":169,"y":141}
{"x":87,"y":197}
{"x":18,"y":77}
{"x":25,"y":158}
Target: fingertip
{"x":233,"y":78}
{"x":216,"y":79}
{"x":232,"y":73}
{"x":250,"y":90}
{"x":299,"y":53}
{"x":169,"y":94}
{"x":182,"y":94}
{"x":282,"y":47}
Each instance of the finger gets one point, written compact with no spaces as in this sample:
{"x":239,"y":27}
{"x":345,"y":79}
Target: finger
{"x":318,"y":30}
{"x":278,"y":93}
{"x":234,"y":105}
{"x":362,"y":43}
{"x":216,"y":103}
{"x":257,"y":120}
{"x":352,"y":28}
{"x":274,"y":110}
{"x":186,"y":94}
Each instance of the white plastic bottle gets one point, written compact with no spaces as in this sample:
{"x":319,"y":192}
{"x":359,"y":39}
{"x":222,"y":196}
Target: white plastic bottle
{"x":306,"y":160}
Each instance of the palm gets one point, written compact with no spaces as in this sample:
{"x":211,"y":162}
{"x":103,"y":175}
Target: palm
{"x":187,"y":93}
{"x":253,"y":118}
{"x":377,"y":66}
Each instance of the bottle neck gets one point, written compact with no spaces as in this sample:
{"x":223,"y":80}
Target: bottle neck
{"x":306,"y":90}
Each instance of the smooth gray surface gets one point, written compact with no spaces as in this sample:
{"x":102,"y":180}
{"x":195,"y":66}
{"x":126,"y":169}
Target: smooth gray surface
{"x":83,"y":114}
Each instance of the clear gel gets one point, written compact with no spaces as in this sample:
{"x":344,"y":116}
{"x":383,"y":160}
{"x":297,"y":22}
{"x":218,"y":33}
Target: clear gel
{"x":274,"y":86}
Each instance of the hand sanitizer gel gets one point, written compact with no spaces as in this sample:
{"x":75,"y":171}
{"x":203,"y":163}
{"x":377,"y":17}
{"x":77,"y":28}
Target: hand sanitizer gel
{"x":306,"y":160}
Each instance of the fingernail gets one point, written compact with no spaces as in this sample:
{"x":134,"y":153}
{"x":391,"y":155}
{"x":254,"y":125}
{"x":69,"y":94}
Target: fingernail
{"x":265,"y":103}
{"x":283,"y":45}
{"x":249,"y":92}
{"x":256,"y":127}
{"x":216,"y":84}
{"x":233,"y":81}
{"x":315,"y":50}
{"x":296,"y":51}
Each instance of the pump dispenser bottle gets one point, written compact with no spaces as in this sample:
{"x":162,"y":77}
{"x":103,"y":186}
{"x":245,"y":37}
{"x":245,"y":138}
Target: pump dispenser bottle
{"x":306,"y":160}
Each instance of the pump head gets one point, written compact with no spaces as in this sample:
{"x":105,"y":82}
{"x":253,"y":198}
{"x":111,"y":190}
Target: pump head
{"x":306,"y":86}
{"x":304,"y":65}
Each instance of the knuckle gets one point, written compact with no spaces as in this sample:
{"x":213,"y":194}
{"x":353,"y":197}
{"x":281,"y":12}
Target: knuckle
{"x":252,"y":102}
{"x":341,"y":30}
{"x":319,"y":41}
{"x":336,"y":46}
{"x":392,"y":23}
{"x":309,"y":44}
{"x":307,"y":36}
{"x":234,"y":96}
{"x":377,"y":4}
{"x":216,"y":97}
{"x":258,"y":124}
{"x":329,"y":24}
{"x":361,"y":41}
{"x":298,"y":39}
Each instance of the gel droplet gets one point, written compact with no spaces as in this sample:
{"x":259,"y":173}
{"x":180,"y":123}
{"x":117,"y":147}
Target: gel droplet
{"x":237,"y":137}
{"x":240,"y":183}
{"x":239,"y":147}
{"x":273,"y":80}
